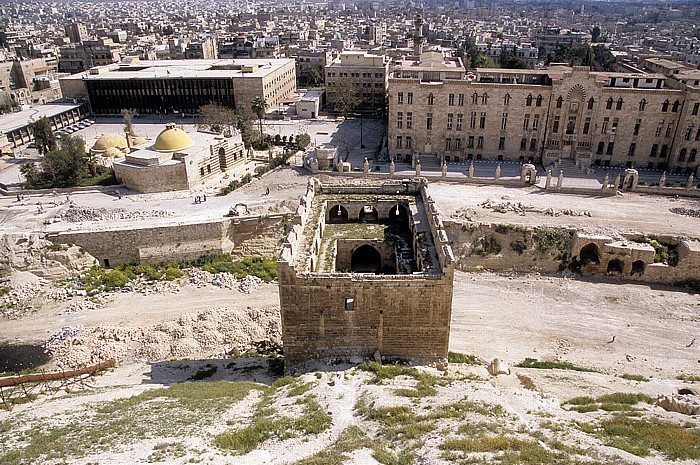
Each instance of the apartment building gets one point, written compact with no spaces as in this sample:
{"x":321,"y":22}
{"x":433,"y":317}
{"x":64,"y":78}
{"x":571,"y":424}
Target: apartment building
{"x":438,"y":112}
{"x":362,"y":72}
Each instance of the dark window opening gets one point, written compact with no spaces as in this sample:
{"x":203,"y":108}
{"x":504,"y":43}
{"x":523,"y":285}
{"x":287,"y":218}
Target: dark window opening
{"x":589,"y":254}
{"x":615,"y":266}
{"x":337,"y":214}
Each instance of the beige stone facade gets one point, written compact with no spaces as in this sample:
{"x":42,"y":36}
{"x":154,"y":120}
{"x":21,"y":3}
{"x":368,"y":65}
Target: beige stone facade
{"x":438,"y":112}
{"x":364,"y":72}
{"x":366,"y":268}
{"x":175,"y":162}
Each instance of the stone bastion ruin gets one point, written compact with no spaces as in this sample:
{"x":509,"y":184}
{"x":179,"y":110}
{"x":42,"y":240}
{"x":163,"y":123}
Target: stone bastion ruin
{"x":366,"y":269}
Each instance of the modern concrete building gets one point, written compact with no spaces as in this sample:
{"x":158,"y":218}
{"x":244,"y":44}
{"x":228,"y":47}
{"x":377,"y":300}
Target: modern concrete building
{"x":182,"y":86}
{"x":16,"y":125}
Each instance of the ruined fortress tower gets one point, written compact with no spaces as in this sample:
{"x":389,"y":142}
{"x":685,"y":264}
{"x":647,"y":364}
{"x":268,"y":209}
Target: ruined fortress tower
{"x":366,"y":267}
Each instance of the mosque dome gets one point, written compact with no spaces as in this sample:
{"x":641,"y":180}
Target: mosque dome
{"x":110,"y":140}
{"x":172,"y":139}
{"x":113,"y":152}
{"x":139,"y":140}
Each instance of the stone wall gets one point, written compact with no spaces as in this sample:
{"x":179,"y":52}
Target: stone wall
{"x":401,"y":316}
{"x":152,"y":178}
{"x":259,"y":235}
{"x":507,"y":247}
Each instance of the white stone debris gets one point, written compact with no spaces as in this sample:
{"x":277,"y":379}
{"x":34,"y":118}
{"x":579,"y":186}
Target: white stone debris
{"x":76,"y":214}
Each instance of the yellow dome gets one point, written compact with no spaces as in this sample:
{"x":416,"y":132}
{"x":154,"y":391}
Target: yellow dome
{"x":139,"y":140}
{"x":113,"y":152}
{"x":172,"y":139}
{"x":110,"y":140}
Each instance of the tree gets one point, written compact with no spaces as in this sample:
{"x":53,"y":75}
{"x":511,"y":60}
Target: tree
{"x":345,"y":96}
{"x":246,"y":130}
{"x":595,"y":34}
{"x":63,"y":166}
{"x":216,"y":117}
{"x":259,"y":106}
{"x":128,"y":116}
{"x":310,"y":75}
{"x":303,"y":140}
{"x":43,"y":135}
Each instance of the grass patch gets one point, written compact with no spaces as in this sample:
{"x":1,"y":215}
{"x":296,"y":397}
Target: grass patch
{"x":300,"y":389}
{"x":456,"y":357}
{"x":639,"y":437}
{"x":632,"y":377}
{"x":164,"y":412}
{"x":615,"y":402}
{"x":426,"y":382}
{"x":552,"y":364}
{"x":691,"y":378}
{"x":506,"y":449}
{"x":351,"y":439}
{"x":266,"y":423}
{"x":167,"y":450}
{"x":486,"y":246}
{"x":263,"y":268}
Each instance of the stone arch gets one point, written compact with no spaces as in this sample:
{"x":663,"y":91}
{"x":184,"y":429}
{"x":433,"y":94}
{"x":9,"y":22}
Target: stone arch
{"x":630,"y":180}
{"x":398,"y":213}
{"x":576,"y":93}
{"x":222,"y":159}
{"x":337,"y":214}
{"x":638,"y":267}
{"x":589,"y":253}
{"x":368,"y":214}
{"x":528,"y":174}
{"x":366,"y":259}
{"x":615,"y":266}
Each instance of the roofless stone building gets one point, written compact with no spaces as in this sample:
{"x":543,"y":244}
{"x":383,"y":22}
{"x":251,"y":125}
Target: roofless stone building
{"x":366,"y":267}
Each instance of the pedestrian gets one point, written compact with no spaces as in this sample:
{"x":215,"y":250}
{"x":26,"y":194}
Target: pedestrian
{"x":205,"y":197}
{"x":267,"y":191}
{"x":196,"y":199}
{"x":18,"y":198}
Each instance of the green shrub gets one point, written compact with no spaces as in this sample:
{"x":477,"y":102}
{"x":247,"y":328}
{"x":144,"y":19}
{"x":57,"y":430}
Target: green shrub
{"x":632,"y":377}
{"x":518,"y":247}
{"x":456,"y":357}
{"x":486,"y":246}
{"x":551,"y":239}
{"x":551,"y":364}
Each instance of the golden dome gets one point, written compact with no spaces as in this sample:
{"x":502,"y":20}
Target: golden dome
{"x":110,"y":140}
{"x":172,"y":139}
{"x":113,"y":152}
{"x":139,"y":140}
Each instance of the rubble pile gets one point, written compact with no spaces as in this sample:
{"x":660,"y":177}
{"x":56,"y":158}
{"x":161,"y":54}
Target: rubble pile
{"x":64,"y":294}
{"x":19,"y":290}
{"x":90,"y":346}
{"x":685,"y":404}
{"x":224,"y":280}
{"x":60,"y":335}
{"x":249,"y":284}
{"x":692,"y":212}
{"x":520,"y":209}
{"x":202,"y":334}
{"x":76,"y":214}
{"x":81,"y":306}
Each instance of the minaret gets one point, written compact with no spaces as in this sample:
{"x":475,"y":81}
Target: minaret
{"x":418,"y":36}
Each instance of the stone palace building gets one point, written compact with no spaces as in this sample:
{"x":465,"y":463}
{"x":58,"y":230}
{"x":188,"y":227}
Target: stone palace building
{"x":438,"y":112}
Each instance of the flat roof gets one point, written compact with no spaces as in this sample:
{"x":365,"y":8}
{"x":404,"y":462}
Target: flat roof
{"x":165,"y":69}
{"x":12,"y":121}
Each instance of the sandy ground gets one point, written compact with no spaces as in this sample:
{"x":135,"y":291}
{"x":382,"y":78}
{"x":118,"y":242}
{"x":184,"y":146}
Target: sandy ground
{"x":615,"y":327}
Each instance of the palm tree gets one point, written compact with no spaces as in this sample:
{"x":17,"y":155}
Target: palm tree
{"x":259,"y":105}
